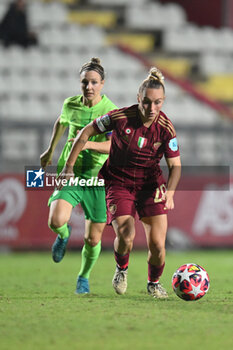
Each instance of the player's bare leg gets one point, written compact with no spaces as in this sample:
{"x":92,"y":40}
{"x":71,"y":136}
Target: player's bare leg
{"x":125,"y":232}
{"x":155,"y":229}
{"x":59,"y":215}
{"x":90,"y":253}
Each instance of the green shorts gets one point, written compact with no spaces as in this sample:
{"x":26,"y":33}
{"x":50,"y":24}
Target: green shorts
{"x":92,"y":200}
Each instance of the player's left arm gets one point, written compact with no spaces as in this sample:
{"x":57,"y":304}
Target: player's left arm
{"x":174,"y":167}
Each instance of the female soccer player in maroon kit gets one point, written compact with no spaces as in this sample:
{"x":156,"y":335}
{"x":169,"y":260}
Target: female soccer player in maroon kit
{"x":141,"y":135}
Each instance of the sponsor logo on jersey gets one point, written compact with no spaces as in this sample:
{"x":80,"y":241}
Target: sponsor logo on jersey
{"x":173,"y":144}
{"x":142,"y":142}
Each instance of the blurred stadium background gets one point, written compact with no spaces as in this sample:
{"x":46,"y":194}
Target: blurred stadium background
{"x":190,"y":41}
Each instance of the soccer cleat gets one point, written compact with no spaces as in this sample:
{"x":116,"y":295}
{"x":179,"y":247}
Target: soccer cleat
{"x":82,"y":285}
{"x":156,"y":290}
{"x":119,"y":281}
{"x":59,"y":247}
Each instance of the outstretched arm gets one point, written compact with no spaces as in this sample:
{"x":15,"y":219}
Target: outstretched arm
{"x":174,"y":166}
{"x":100,"y":147}
{"x":77,"y":147}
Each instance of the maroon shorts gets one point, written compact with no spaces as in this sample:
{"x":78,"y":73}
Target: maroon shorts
{"x":123,"y":201}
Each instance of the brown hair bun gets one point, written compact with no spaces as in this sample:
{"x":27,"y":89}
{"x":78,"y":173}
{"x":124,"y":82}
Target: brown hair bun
{"x":95,"y":60}
{"x":93,"y":64}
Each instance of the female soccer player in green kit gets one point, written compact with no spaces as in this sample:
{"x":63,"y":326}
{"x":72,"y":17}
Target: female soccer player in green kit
{"x":77,"y":112}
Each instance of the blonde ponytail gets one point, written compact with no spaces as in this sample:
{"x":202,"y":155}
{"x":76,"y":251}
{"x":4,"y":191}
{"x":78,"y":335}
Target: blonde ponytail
{"x":154,"y":80}
{"x":156,"y":74}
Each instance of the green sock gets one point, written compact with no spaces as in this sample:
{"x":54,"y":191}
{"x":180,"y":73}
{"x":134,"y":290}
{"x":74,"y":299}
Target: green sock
{"x":89,"y":257}
{"x":62,"y":232}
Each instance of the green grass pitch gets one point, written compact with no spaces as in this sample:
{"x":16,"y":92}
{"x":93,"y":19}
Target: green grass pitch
{"x":39,"y":310}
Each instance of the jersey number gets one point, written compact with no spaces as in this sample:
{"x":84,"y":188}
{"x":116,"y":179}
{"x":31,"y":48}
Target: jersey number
{"x":159,"y":192}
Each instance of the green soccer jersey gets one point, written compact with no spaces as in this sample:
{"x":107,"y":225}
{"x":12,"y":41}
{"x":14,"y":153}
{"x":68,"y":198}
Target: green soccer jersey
{"x":76,"y":115}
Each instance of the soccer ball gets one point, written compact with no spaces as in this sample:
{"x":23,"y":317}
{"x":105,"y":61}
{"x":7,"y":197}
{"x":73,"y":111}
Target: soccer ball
{"x":190,"y":282}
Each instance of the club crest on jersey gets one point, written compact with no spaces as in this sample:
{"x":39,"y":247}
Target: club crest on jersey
{"x":157,"y":145}
{"x":142,"y":142}
{"x":173,"y":144}
{"x":113,"y":208}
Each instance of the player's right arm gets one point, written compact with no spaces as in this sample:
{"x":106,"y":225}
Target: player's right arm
{"x":100,"y":147}
{"x":80,"y":142}
{"x":78,"y":145}
{"x":98,"y":126}
{"x":58,"y":131}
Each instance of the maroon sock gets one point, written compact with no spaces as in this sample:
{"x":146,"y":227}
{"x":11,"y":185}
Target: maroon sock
{"x":154,"y":272}
{"x":122,"y":260}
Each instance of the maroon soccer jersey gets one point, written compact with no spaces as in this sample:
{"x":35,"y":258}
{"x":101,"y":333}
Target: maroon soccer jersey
{"x":136,"y":150}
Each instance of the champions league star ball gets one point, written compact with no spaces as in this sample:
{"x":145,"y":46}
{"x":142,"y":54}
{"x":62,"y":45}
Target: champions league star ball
{"x":190,"y":282}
